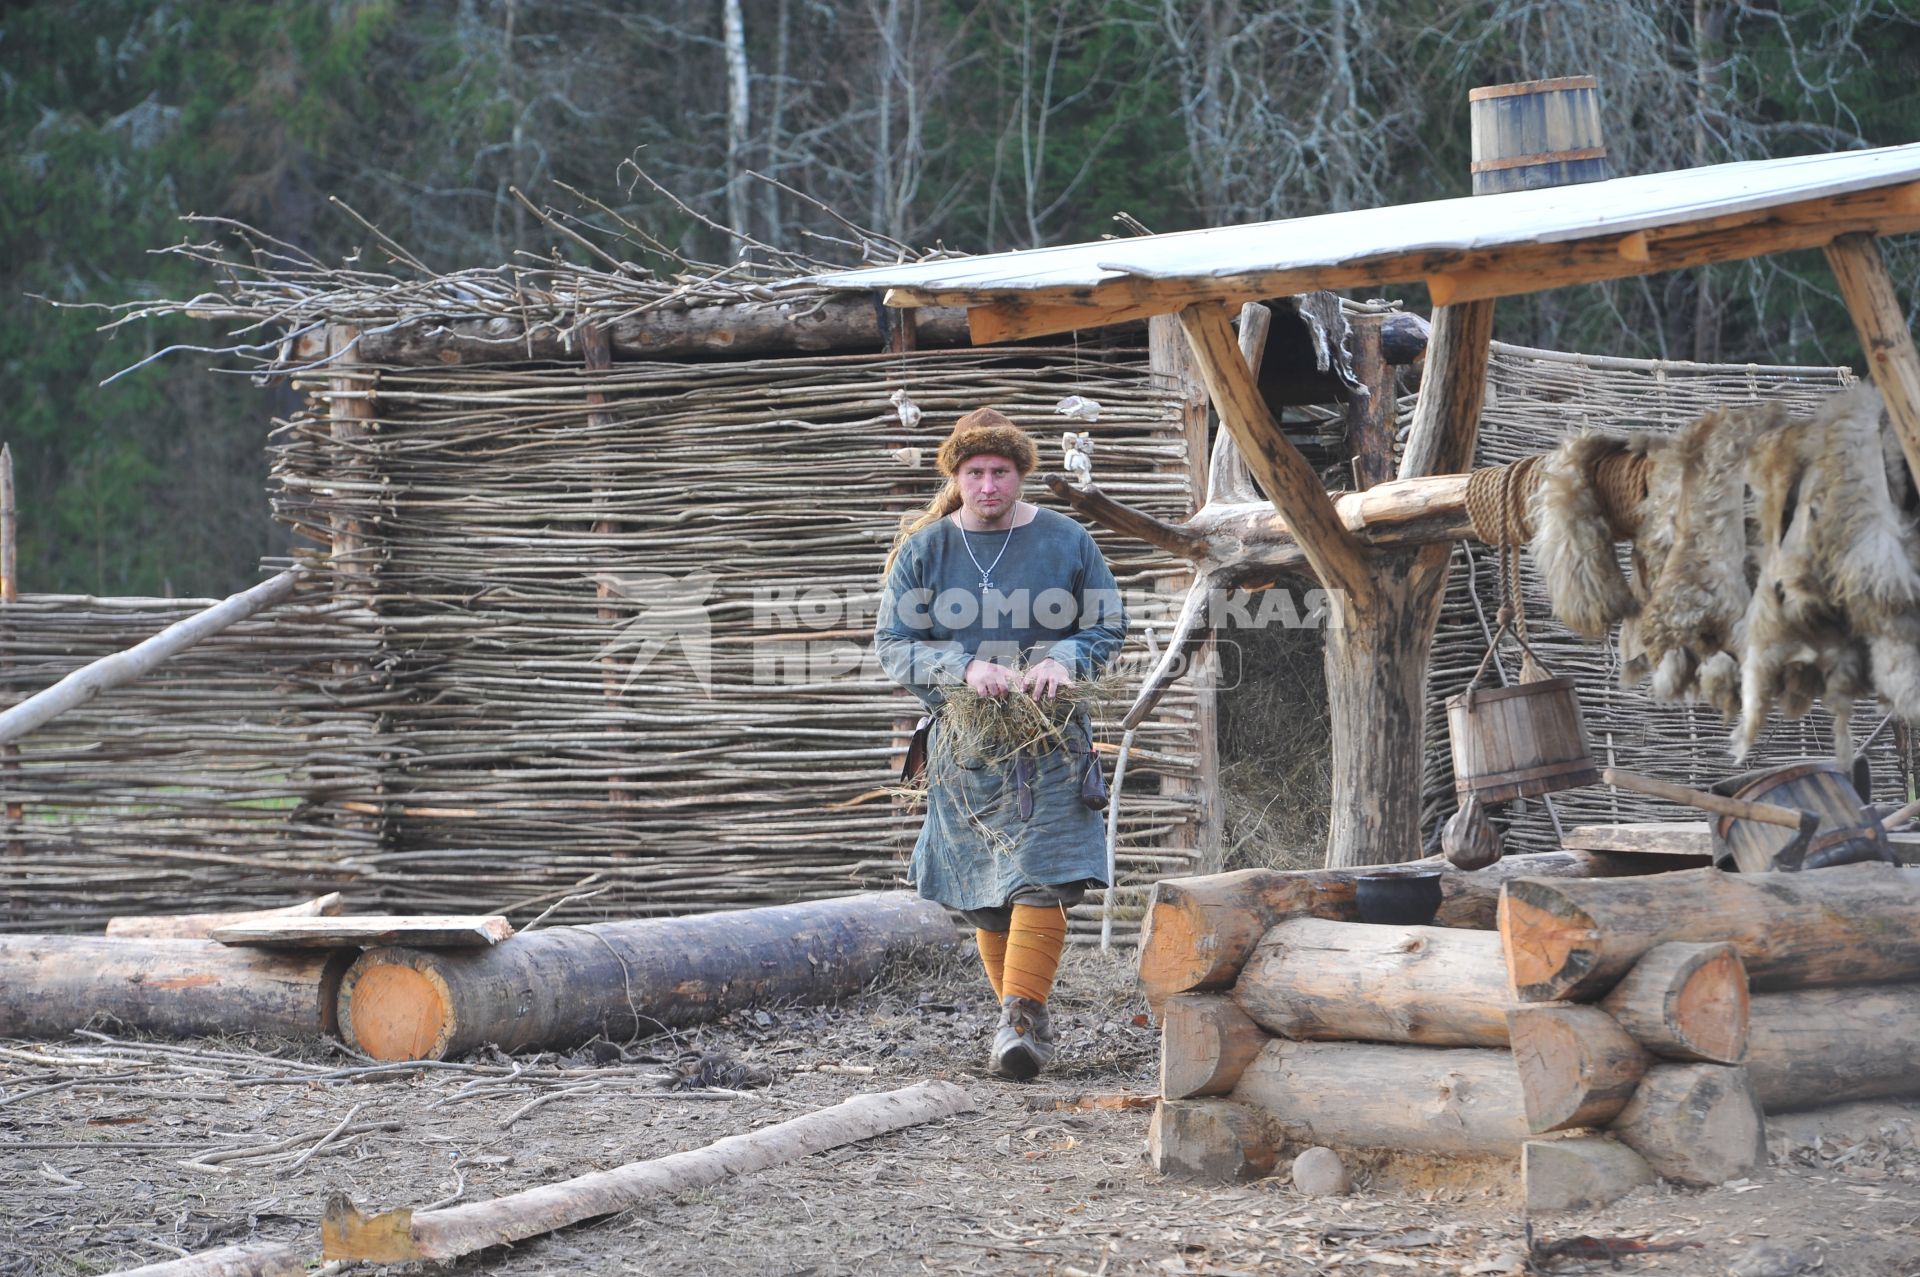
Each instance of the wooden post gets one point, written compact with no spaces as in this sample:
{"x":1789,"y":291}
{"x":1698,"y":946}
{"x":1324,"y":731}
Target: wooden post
{"x":1168,"y":356}
{"x":1885,"y":340}
{"x":598,"y":353}
{"x":350,"y":395}
{"x":10,"y":595}
{"x":1371,"y":417}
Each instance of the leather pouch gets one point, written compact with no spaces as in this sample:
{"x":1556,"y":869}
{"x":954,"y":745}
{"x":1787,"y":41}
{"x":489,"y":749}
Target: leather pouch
{"x":913,"y":768}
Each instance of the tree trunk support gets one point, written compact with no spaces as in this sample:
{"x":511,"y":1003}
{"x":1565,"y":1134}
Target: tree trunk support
{"x":1168,"y":356}
{"x":1885,"y":340}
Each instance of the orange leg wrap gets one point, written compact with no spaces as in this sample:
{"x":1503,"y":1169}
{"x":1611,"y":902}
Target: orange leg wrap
{"x":1033,"y":951}
{"x":993,"y":956}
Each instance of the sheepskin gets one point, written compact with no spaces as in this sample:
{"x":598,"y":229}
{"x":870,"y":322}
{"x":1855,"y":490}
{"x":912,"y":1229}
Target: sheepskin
{"x":1835,"y":612}
{"x":1572,"y":545}
{"x":1690,"y":626}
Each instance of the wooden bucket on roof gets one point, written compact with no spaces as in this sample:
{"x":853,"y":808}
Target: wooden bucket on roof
{"x":1512,"y":742}
{"x":1537,"y":133}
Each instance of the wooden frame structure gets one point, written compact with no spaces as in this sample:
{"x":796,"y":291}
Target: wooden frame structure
{"x":1467,"y":252}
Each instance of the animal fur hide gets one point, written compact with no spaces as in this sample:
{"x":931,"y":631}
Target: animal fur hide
{"x":1835,"y":612}
{"x":1572,"y":541}
{"x":1690,"y":627}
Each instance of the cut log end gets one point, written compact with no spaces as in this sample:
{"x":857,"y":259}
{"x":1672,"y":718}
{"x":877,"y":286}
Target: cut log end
{"x":1216,"y":1140}
{"x":1686,"y":1002}
{"x":348,"y":1233}
{"x":1577,"y":1066}
{"x":1549,"y":953}
{"x":1699,"y":1124}
{"x":1206,"y":1042}
{"x":1579,"y":1174}
{"x":394,"y":1010}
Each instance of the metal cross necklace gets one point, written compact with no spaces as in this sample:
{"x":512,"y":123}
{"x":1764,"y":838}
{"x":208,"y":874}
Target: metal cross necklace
{"x":986,"y":573}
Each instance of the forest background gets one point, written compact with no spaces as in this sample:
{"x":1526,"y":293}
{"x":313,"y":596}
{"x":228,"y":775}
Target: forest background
{"x":977,"y":126}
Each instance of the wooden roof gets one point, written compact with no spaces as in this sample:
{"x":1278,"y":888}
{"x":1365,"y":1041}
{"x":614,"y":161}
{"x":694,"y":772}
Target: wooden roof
{"x":1463,"y":249}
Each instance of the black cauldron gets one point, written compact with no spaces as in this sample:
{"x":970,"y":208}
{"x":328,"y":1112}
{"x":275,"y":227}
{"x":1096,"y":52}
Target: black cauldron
{"x":1408,"y":898}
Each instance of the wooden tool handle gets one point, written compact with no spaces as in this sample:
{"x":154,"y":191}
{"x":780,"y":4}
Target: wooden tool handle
{"x":1901,"y":816}
{"x":1738,"y":808}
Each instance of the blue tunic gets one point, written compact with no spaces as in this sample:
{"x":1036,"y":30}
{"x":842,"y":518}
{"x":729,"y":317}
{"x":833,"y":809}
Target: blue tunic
{"x":1053,"y":595}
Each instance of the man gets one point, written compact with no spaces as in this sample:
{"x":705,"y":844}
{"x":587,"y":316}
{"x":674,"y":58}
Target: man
{"x":985,"y":589}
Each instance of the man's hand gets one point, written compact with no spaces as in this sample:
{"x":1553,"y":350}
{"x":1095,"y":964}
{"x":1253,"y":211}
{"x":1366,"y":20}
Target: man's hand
{"x":988,"y":679}
{"x":1044,"y":681}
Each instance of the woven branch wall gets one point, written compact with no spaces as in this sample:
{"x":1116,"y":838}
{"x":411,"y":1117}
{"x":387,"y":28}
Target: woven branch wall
{"x":215,"y":783}
{"x":628,"y":641}
{"x":1534,"y":400}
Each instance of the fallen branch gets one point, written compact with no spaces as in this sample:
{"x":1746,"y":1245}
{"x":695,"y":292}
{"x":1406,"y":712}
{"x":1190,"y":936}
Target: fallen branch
{"x":87,"y":682}
{"x":251,"y":1259}
{"x":405,"y":1235}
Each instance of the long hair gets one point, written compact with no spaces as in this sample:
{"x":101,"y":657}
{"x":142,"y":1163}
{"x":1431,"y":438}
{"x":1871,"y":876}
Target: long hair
{"x":944,"y":503}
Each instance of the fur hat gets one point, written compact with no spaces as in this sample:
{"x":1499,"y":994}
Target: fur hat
{"x":985,"y":432}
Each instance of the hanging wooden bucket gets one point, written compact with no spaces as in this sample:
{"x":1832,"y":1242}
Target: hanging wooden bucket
{"x":1539,"y":133}
{"x":1512,"y":742}
{"x":1849,"y":830}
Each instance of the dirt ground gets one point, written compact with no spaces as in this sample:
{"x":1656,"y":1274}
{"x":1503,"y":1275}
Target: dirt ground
{"x":116,"y":1152}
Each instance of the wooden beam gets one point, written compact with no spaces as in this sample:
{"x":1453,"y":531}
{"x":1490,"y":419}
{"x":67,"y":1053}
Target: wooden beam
{"x":1175,"y":538}
{"x":1338,"y":559}
{"x":1446,"y":419}
{"x":1008,"y":315}
{"x":1885,"y":340}
{"x":851,"y":323}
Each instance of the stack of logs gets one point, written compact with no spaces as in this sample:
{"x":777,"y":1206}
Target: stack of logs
{"x":1642,"y":1022}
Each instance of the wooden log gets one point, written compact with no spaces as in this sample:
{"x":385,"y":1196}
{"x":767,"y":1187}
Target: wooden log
{"x":1577,"y":1066}
{"x":1846,"y":924}
{"x":404,"y":1235}
{"x":1311,"y":979}
{"x":1697,"y":1124}
{"x":52,"y":985}
{"x":1212,"y":1140}
{"x":1880,"y":319}
{"x":1200,"y":931}
{"x":1685,"y":1002}
{"x":1810,"y":1047}
{"x":620,"y":979}
{"x":1371,"y":417}
{"x":364,"y":931}
{"x":1581,"y":1173}
{"x":1206,"y":1042}
{"x":199,"y":926}
{"x":1458,"y":1101}
{"x":249,"y":1259}
{"x":749,"y":328}
{"x":95,"y":677}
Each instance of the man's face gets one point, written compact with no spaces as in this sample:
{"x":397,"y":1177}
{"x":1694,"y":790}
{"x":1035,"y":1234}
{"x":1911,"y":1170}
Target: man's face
{"x":989,"y":487}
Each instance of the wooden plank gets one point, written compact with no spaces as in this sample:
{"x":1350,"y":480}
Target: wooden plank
{"x":200,"y":926}
{"x":1337,"y":558}
{"x":1683,"y":838}
{"x":1453,"y":275}
{"x":426,"y":931}
{"x":1679,"y":838}
{"x":1885,"y":340}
